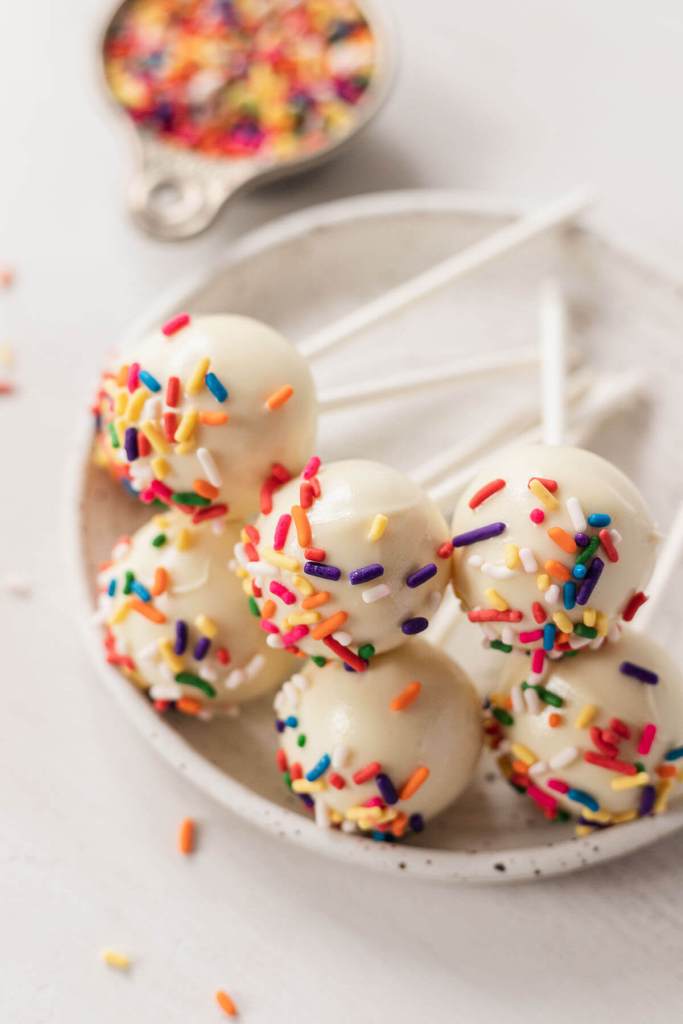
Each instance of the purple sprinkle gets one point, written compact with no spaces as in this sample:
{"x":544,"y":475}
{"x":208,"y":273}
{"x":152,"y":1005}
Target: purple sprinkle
{"x":416,"y":822}
{"x":180,"y":637}
{"x":644,"y":675}
{"x":647,"y":800}
{"x":201,"y":648}
{"x":582,"y":540}
{"x":481,"y":533}
{"x":325,"y":572}
{"x":386,"y":788}
{"x":416,"y":625}
{"x":307,"y":800}
{"x":279,"y":725}
{"x":420,"y":576}
{"x":131,"y":444}
{"x":366,"y":573}
{"x":590,"y":581}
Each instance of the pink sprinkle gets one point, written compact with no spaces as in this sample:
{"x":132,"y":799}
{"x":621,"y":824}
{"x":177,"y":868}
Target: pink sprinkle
{"x":311,"y":467}
{"x":537,"y":515}
{"x":294,"y":635}
{"x":281,"y":531}
{"x":147,"y":496}
{"x":542,"y":799}
{"x":160,"y":490}
{"x":531,"y":636}
{"x":268,"y":626}
{"x":283,"y":593}
{"x":175,"y":324}
{"x":537,"y":660}
{"x":647,"y":737}
{"x":373,"y":801}
{"x":558,"y":784}
{"x":133,"y":376}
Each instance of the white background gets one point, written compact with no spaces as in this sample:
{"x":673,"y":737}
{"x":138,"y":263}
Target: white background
{"x":524,"y":98}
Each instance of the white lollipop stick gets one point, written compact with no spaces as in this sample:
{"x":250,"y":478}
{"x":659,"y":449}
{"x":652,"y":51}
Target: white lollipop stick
{"x":555,"y":214}
{"x":553,"y":336}
{"x":667,"y":563}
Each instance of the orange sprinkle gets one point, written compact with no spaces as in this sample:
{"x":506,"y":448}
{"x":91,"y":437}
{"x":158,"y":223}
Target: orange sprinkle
{"x":160,"y":581}
{"x":213,"y":419}
{"x":315,"y":600}
{"x":520,"y":767}
{"x":303,"y":527}
{"x":189,"y":705}
{"x":205,"y":489}
{"x":226,"y":1004}
{"x":330,"y":625}
{"x":279,"y":397}
{"x":186,"y":836}
{"x":146,"y":609}
{"x":666,"y":771}
{"x":411,"y":786}
{"x":398,"y":825}
{"x":268,"y":609}
{"x":122,"y":375}
{"x":406,"y":697}
{"x":558,"y":571}
{"x":554,"y":720}
{"x":563,"y":539}
{"x":103,"y":566}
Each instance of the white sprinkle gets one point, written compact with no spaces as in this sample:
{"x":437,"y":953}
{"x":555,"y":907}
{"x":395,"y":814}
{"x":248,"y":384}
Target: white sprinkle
{"x":300,"y":681}
{"x":262,"y":569}
{"x":535,"y":677}
{"x":348,"y":826}
{"x":564,"y":757}
{"x":340,"y":756}
{"x":475,"y":561}
{"x":577,"y":642}
{"x":517,"y":699}
{"x":254,"y":666}
{"x":552,"y":594}
{"x":165,"y":691}
{"x":208,"y":673}
{"x":497,"y":572}
{"x":596,"y":644}
{"x":576,"y":514}
{"x":151,"y":410}
{"x":235,"y":679}
{"x":150,"y":652}
{"x":342,"y":638}
{"x":275,"y":641}
{"x":507,"y":635}
{"x":538,"y":767}
{"x":121,"y":549}
{"x":528,"y":560}
{"x":614,"y":634}
{"x":279,"y":703}
{"x":376,"y":593}
{"x":322,"y":816}
{"x":489,"y":631}
{"x":187,"y":588}
{"x":290,"y":691}
{"x":532,"y":701}
{"x":218,"y":527}
{"x":208,"y":464}
{"x":616,"y":537}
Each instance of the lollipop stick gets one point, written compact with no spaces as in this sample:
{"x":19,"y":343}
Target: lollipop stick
{"x":553,"y":215}
{"x":667,"y":563}
{"x":553,"y":335}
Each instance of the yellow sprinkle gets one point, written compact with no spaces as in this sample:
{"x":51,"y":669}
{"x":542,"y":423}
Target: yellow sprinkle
{"x":121,"y":402}
{"x":113,"y":959}
{"x":358,"y":812}
{"x":630,"y":781}
{"x":563,"y":622}
{"x":504,"y":766}
{"x":377,"y":528}
{"x":196,"y":381}
{"x":304,"y":786}
{"x":160,"y":467}
{"x":335,"y":817}
{"x":173,"y":660}
{"x":523,"y":753}
{"x":511,"y":556}
{"x":663,"y":790}
{"x":622,"y":817}
{"x":495,"y":600}
{"x":601,"y":817}
{"x":242,"y":573}
{"x":303,"y":585}
{"x":244,"y":536}
{"x":186,"y":447}
{"x":602,"y":624}
{"x":162,"y":521}
{"x":120,"y":614}
{"x":187,"y":425}
{"x":155,"y":437}
{"x":247,"y":586}
{"x":183,"y":540}
{"x":582,"y":830}
{"x":280,"y":560}
{"x":543,"y":581}
{"x":206,"y":626}
{"x":135,"y":404}
{"x":585,"y":716}
{"x":304,"y":618}
{"x":120,"y":425}
{"x":499,"y":700}
{"x":589,"y":617}
{"x":540,"y":491}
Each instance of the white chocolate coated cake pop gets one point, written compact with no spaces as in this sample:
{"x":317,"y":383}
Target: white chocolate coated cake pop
{"x":553,"y":545}
{"x":599,"y":738}
{"x":209,"y":414}
{"x":348,"y":563}
{"x":384,"y":751}
{"x":177,"y":621}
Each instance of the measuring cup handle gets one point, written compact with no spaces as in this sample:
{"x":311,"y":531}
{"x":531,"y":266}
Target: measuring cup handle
{"x":175,"y":193}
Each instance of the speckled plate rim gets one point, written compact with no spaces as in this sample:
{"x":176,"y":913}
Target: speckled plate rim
{"x":478,"y":867}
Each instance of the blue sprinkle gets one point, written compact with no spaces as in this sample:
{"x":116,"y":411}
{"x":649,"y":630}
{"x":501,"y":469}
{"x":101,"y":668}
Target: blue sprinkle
{"x":149,"y":381}
{"x":111,"y":589}
{"x":569,"y":595}
{"x":212,"y":382}
{"x":141,"y":590}
{"x":579,"y":571}
{"x":580,"y":796}
{"x":319,"y":769}
{"x":599,"y":519}
{"x":549,"y":631}
{"x":381,"y":837}
{"x":292,"y":721}
{"x":674,"y":755}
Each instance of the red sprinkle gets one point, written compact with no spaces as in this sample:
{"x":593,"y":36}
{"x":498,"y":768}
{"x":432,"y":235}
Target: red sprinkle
{"x":485,"y":492}
{"x":280,"y":473}
{"x":223,"y":655}
{"x":647,"y":738}
{"x":144,"y":447}
{"x":281,"y":759}
{"x":538,"y":612}
{"x":346,"y":654}
{"x":559,"y":785}
{"x":336,"y":780}
{"x":175,"y":324}
{"x":601,"y":743}
{"x":296,"y":772}
{"x":315,"y":554}
{"x":212,"y":512}
{"x":172,"y":391}
{"x":281,"y":531}
{"x":445,"y":550}
{"x":530,"y":636}
{"x":170,"y":425}
{"x":610,"y":763}
{"x":367,"y":773}
{"x":133,"y":376}
{"x":537,"y":660}
{"x":306,"y":496}
{"x":633,"y":605}
{"x":620,"y":728}
{"x":251,"y":552}
{"x":491,"y":615}
{"x":550,"y":485}
{"x":608,"y":544}
{"x":252,"y":533}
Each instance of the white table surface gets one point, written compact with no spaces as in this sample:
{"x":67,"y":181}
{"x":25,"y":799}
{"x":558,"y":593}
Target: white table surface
{"x":524,"y":99}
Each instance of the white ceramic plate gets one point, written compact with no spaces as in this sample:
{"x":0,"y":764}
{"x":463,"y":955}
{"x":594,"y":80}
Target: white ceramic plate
{"x":298,"y":274}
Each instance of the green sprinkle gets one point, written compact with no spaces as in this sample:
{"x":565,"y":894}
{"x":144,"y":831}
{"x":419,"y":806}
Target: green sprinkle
{"x":587,"y":631}
{"x":253,"y":607}
{"x":288,"y":779}
{"x":130,"y":580}
{"x":498,"y":645}
{"x":318,"y":660}
{"x":301,"y":740}
{"x":549,"y":697}
{"x":561,"y":816}
{"x":189,"y":498}
{"x":503,"y":716}
{"x":569,"y":654}
{"x":159,"y":540}
{"x":115,"y":443}
{"x":190,"y":679}
{"x":588,"y":551}
{"x":158,"y":503}
{"x":366,"y":652}
{"x":640,"y":767}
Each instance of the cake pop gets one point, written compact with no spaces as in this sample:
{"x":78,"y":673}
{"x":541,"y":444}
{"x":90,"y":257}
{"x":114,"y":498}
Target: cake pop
{"x":210,"y":414}
{"x":177,"y":622}
{"x":380,"y":753}
{"x":350,"y":556}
